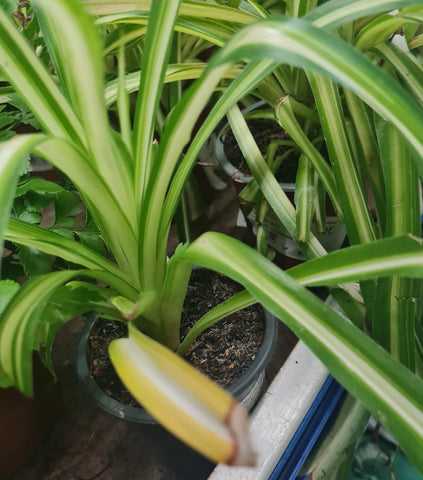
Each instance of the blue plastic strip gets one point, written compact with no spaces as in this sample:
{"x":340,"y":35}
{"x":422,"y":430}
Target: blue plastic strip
{"x":309,"y":431}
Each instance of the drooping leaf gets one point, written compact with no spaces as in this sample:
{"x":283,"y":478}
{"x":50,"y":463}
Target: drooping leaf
{"x":18,"y":327}
{"x":401,"y":255}
{"x":66,"y":302}
{"x":187,"y":403}
{"x":55,"y":244}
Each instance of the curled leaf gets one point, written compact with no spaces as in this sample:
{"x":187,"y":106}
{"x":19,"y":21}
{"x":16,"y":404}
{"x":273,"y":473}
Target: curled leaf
{"x":189,"y":405}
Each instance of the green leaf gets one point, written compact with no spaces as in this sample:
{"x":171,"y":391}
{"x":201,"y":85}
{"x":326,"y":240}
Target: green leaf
{"x":27,"y":208}
{"x":394,"y":316}
{"x":13,"y":154}
{"x":34,"y":262}
{"x":6,"y":119}
{"x":9,"y":6}
{"x":21,"y":319}
{"x":92,"y":240}
{"x":174,"y":72}
{"x":188,"y":8}
{"x":66,"y":206}
{"x":212,"y":31}
{"x":107,"y":213}
{"x":78,"y":297}
{"x":38,"y":185}
{"x":36,"y":194}
{"x":298,"y":8}
{"x":398,"y":300}
{"x":369,"y":161}
{"x":354,"y":204}
{"x":54,"y":244}
{"x":18,"y":327}
{"x":396,"y":255}
{"x":319,"y":204}
{"x":126,"y":36}
{"x":68,"y":301}
{"x":68,"y":234}
{"x":6,"y":134}
{"x":378,"y":31}
{"x":155,"y":58}
{"x":234,"y":304}
{"x":34,"y":201}
{"x":6,"y":93}
{"x":304,"y":193}
{"x":406,"y":65}
{"x":339,"y":12}
{"x":8,"y":288}
{"x":412,"y":13}
{"x":24,"y":114}
{"x":285,"y":114}
{"x":419,"y":346}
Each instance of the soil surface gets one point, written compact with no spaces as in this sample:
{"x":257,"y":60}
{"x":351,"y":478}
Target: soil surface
{"x":223,"y":352}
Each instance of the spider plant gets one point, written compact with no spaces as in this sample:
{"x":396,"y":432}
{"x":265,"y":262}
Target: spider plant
{"x":132,"y":184}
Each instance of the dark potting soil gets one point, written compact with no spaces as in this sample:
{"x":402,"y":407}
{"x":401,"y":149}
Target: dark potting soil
{"x":264,"y":132}
{"x":223,"y":352}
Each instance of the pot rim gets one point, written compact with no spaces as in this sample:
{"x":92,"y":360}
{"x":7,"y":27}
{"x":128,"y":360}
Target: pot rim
{"x":221,"y":157}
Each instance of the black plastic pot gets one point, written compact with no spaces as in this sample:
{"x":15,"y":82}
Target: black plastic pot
{"x":169,"y":451}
